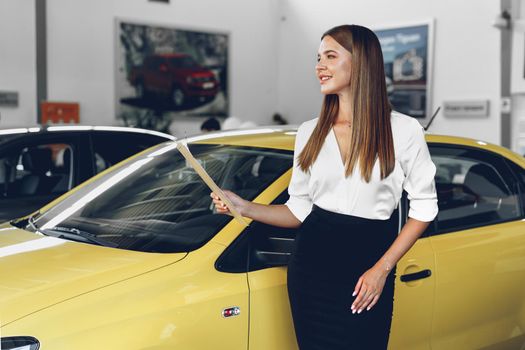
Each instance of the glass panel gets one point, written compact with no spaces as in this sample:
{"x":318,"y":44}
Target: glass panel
{"x":37,"y":170}
{"x":184,"y":62}
{"x":106,"y":154}
{"x":472,"y":190}
{"x":158,"y":203}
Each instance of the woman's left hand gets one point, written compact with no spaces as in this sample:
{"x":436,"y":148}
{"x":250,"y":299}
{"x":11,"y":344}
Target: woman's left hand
{"x":368,"y":289}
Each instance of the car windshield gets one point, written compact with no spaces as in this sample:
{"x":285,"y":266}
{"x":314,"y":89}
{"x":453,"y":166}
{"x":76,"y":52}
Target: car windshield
{"x":157,"y":202}
{"x":184,"y":62}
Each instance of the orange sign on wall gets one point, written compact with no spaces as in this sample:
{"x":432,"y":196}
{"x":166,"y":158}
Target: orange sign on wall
{"x":60,"y":112}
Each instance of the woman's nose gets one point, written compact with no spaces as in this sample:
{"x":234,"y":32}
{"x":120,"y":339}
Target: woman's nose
{"x":319,"y":66}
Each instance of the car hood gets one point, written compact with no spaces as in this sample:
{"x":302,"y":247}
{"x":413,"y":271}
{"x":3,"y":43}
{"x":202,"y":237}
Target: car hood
{"x":39,"y":271}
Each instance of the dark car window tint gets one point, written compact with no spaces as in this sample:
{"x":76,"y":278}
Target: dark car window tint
{"x":111,"y":148}
{"x":183,"y":62}
{"x":158,"y":203}
{"x":474,"y":189}
{"x":37,"y":170}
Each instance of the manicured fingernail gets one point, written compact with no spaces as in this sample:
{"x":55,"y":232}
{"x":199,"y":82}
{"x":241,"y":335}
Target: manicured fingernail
{"x":359,"y":311}
{"x":353,"y":311}
{"x":353,"y":294}
{"x":367,"y":309}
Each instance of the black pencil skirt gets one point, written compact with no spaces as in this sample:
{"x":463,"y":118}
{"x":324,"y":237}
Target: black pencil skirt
{"x":331,"y":252}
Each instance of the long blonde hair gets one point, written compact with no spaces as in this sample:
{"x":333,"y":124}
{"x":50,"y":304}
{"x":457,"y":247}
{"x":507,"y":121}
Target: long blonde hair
{"x":371,"y":135}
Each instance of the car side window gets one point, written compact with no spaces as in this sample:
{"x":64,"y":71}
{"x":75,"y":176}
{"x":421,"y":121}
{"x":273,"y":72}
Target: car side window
{"x":37,"y":170}
{"x":475,"y":188}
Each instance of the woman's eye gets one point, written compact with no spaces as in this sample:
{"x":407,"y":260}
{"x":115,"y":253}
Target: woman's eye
{"x":331,"y":56}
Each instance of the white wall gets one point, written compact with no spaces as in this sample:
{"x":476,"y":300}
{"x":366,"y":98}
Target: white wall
{"x":17,"y":61}
{"x":81,"y":51}
{"x":466,"y":54}
{"x":273,"y":45}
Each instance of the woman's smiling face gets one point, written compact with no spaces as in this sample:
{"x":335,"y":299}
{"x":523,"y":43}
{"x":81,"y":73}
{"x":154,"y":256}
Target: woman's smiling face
{"x":333,"y":67}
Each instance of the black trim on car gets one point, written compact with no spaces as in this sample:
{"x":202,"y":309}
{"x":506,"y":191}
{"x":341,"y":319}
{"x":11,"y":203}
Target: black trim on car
{"x":507,"y":171}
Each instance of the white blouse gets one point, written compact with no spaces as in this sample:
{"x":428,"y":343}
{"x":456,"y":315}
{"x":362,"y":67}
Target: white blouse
{"x":327,"y":186}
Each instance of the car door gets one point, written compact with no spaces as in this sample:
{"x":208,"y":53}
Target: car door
{"x":37,"y":168}
{"x":413,"y":293}
{"x":479,"y":246}
{"x":165,"y":75}
{"x":262,"y":251}
{"x":271,"y":325}
{"x":151,"y":66}
{"x":158,"y":74}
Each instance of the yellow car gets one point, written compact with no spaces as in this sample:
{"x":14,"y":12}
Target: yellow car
{"x":136,"y":258}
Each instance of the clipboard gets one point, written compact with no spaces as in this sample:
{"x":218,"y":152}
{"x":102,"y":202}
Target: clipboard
{"x":209,"y":181}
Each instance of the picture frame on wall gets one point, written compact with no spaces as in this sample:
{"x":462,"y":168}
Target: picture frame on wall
{"x":517,"y":81}
{"x":408,"y":53}
{"x":164,"y":72}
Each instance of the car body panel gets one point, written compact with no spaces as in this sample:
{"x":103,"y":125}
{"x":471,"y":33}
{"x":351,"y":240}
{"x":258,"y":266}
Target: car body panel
{"x":176,"y":306}
{"x":56,"y":270}
{"x":414,"y":301}
{"x":489,"y":260}
{"x":270,"y":310}
{"x":269,"y":305}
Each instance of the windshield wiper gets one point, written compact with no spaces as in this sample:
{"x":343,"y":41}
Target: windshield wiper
{"x":24,"y":222}
{"x":31,"y":222}
{"x":78,"y":235}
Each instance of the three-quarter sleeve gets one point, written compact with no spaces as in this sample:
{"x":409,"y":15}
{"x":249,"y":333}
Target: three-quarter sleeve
{"x":300,"y":202}
{"x":419,"y":177}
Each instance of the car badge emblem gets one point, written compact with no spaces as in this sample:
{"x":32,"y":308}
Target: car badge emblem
{"x":231,"y":311}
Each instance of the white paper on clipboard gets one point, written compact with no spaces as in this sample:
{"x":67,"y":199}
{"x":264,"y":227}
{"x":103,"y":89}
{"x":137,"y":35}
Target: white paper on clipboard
{"x":209,"y":181}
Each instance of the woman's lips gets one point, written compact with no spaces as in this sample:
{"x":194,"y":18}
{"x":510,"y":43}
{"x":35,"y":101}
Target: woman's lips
{"x":324,"y":78}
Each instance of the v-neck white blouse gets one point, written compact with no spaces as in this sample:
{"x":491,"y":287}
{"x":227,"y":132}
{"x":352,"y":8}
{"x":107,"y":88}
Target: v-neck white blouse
{"x":326,"y":186}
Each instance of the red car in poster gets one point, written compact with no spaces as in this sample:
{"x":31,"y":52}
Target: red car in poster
{"x":175,"y":75}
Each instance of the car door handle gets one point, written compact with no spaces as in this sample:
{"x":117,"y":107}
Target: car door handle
{"x":416,"y":275}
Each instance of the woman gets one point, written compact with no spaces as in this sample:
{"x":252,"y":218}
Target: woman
{"x":350,"y":167}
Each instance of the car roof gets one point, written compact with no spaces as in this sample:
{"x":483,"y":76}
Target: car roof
{"x":283,"y":137}
{"x":13,"y":133}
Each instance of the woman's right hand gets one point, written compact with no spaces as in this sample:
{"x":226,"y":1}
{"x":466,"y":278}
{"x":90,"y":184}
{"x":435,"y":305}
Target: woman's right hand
{"x":239,"y":203}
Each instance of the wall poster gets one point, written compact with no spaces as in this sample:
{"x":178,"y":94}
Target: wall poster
{"x":407,"y":53}
{"x":163,"y":73}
